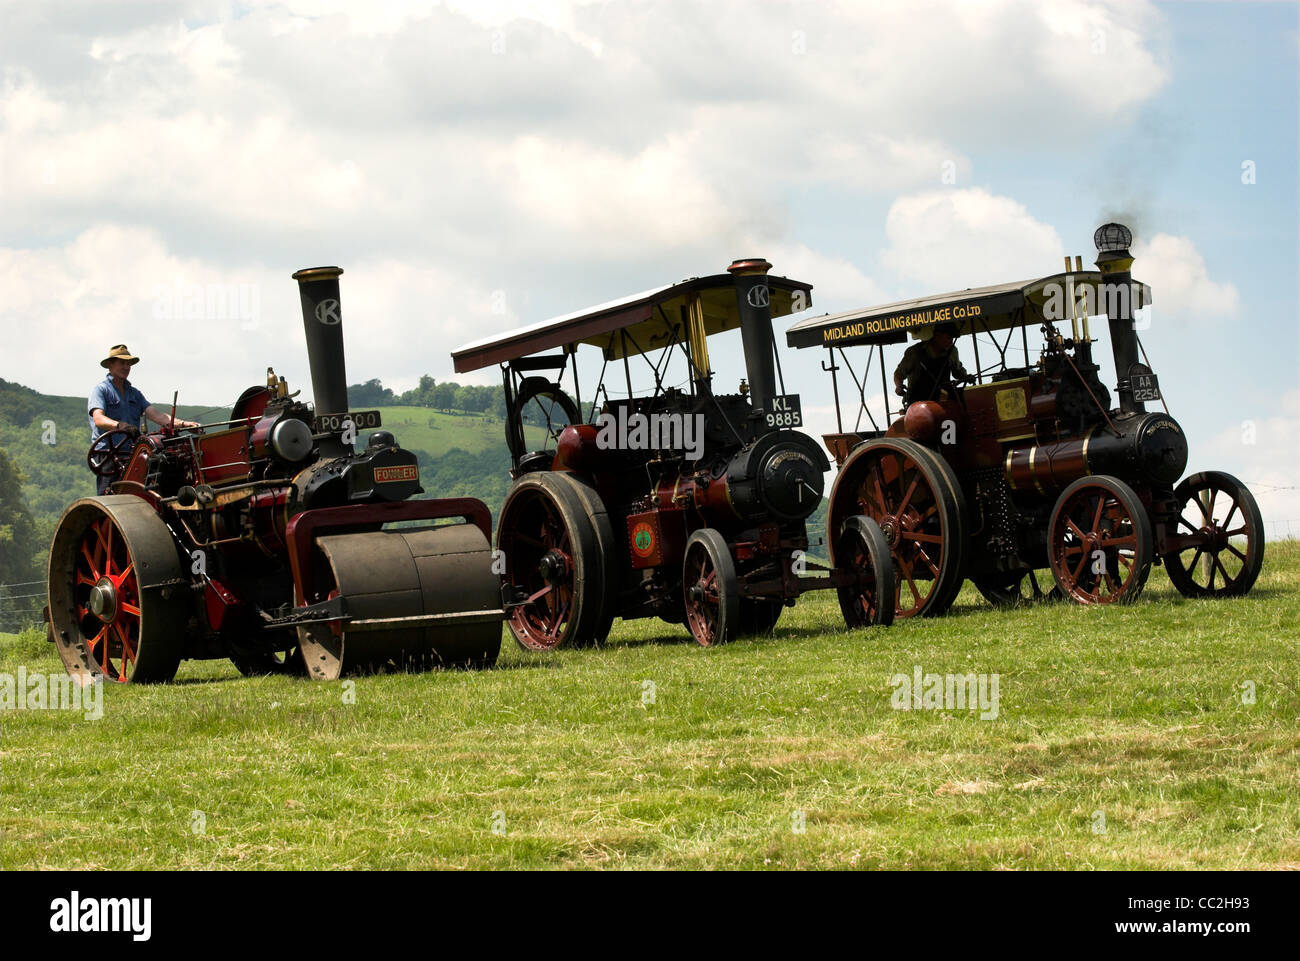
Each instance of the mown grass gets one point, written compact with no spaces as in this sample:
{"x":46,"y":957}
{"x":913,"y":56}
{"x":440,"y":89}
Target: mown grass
{"x":1135,"y":713}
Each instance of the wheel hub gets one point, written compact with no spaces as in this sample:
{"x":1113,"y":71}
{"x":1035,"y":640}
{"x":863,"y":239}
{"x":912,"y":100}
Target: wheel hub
{"x":696,"y":593}
{"x":892,"y":530}
{"x":103,"y":600}
{"x":552,"y":567}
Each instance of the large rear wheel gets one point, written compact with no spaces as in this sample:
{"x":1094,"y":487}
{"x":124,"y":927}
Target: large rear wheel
{"x":1219,"y":537}
{"x":118,"y":597}
{"x":551,"y":550}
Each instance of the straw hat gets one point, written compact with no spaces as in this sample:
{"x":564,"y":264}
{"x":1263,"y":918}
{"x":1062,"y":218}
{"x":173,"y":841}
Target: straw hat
{"x":119,"y":352}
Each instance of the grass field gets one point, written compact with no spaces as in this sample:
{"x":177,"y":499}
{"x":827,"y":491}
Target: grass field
{"x":1122,"y":741}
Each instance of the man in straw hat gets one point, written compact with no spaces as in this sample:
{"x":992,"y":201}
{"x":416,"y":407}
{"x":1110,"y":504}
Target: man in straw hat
{"x":116,"y":404}
{"x":930,"y":366}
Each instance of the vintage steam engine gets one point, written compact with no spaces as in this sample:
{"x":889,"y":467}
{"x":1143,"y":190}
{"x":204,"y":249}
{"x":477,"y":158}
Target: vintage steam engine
{"x":688,"y":504}
{"x":1032,"y":467}
{"x":262,"y":539}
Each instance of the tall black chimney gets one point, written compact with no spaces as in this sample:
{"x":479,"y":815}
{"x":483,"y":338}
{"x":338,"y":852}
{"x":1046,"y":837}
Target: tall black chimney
{"x":753,"y":300}
{"x":1116,"y":263}
{"x":322,"y":321}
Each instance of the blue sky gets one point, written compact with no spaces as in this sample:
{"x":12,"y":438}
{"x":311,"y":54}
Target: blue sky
{"x":480,"y":166}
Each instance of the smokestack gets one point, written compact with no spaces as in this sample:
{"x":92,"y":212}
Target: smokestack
{"x":322,"y":321}
{"x":753,"y":299}
{"x":1116,"y":264}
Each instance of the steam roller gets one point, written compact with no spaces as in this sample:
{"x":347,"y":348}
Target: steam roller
{"x":290,"y":539}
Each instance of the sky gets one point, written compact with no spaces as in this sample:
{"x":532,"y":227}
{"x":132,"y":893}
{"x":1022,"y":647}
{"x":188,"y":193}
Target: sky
{"x":474,"y":167}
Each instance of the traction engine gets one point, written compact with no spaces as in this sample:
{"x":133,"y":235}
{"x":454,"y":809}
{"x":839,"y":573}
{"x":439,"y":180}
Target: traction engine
{"x":262,"y":539}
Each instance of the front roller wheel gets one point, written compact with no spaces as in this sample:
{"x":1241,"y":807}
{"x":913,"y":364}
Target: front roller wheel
{"x":415,"y":599}
{"x":913,"y":495}
{"x":1209,"y":562}
{"x":550,"y":548}
{"x":1100,"y":542}
{"x":711,"y":590}
{"x":863,"y":548}
{"x":117,"y":592}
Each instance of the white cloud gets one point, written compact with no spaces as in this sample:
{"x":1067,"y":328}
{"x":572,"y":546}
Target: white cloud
{"x":563,"y":153}
{"x":210,"y":333}
{"x":1180,"y":281}
{"x":949,"y":239}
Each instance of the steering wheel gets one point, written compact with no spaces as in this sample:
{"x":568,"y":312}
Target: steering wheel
{"x":110,"y":453}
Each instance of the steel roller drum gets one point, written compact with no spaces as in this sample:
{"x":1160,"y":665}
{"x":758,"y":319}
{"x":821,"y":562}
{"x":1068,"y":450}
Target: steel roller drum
{"x":415,"y":600}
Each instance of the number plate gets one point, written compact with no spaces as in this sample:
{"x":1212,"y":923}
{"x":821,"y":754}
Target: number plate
{"x":1145,"y":387}
{"x":783,"y":410}
{"x":336,"y":423}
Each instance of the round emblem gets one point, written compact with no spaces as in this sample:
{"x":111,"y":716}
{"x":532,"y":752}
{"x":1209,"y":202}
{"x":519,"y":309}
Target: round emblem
{"x":643,"y":539}
{"x":758,"y":296}
{"x":327,"y":312}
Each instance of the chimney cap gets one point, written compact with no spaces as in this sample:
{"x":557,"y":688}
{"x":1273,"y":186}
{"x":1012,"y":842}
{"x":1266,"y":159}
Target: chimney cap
{"x":1111,"y":237}
{"x":308,"y":274}
{"x":749,"y":265}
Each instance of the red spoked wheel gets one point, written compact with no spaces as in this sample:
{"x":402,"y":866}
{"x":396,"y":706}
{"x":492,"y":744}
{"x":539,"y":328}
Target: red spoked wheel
{"x":551,"y":552}
{"x":711,"y":590}
{"x":1217,"y":545}
{"x":116,"y":591}
{"x":863,"y":549}
{"x":1100,"y":542}
{"x":913,"y":497}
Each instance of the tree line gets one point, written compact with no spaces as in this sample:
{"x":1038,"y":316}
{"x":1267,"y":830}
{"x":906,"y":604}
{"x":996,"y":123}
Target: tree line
{"x":444,"y":396}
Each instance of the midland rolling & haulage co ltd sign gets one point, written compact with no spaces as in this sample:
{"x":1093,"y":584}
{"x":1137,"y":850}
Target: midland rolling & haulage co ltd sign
{"x":894,"y":323}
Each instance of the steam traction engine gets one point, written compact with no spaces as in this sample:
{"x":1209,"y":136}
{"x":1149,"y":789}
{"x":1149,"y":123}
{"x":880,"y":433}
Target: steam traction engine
{"x":1033,"y":468}
{"x":262,"y":539}
{"x":605,"y":522}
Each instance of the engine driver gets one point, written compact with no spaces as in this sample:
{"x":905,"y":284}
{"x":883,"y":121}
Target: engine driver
{"x":930,"y":366}
{"x":116,"y":404}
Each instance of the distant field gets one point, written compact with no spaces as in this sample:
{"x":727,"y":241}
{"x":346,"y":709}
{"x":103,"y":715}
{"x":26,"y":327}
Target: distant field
{"x":420,"y":428}
{"x":1122,"y":741}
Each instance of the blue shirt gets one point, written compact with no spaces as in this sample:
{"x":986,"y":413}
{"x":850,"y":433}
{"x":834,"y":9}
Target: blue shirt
{"x":127,"y":407}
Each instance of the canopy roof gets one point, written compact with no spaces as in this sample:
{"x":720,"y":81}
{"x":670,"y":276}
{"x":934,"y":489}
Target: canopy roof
{"x":637,"y":324}
{"x":1015,"y":304}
